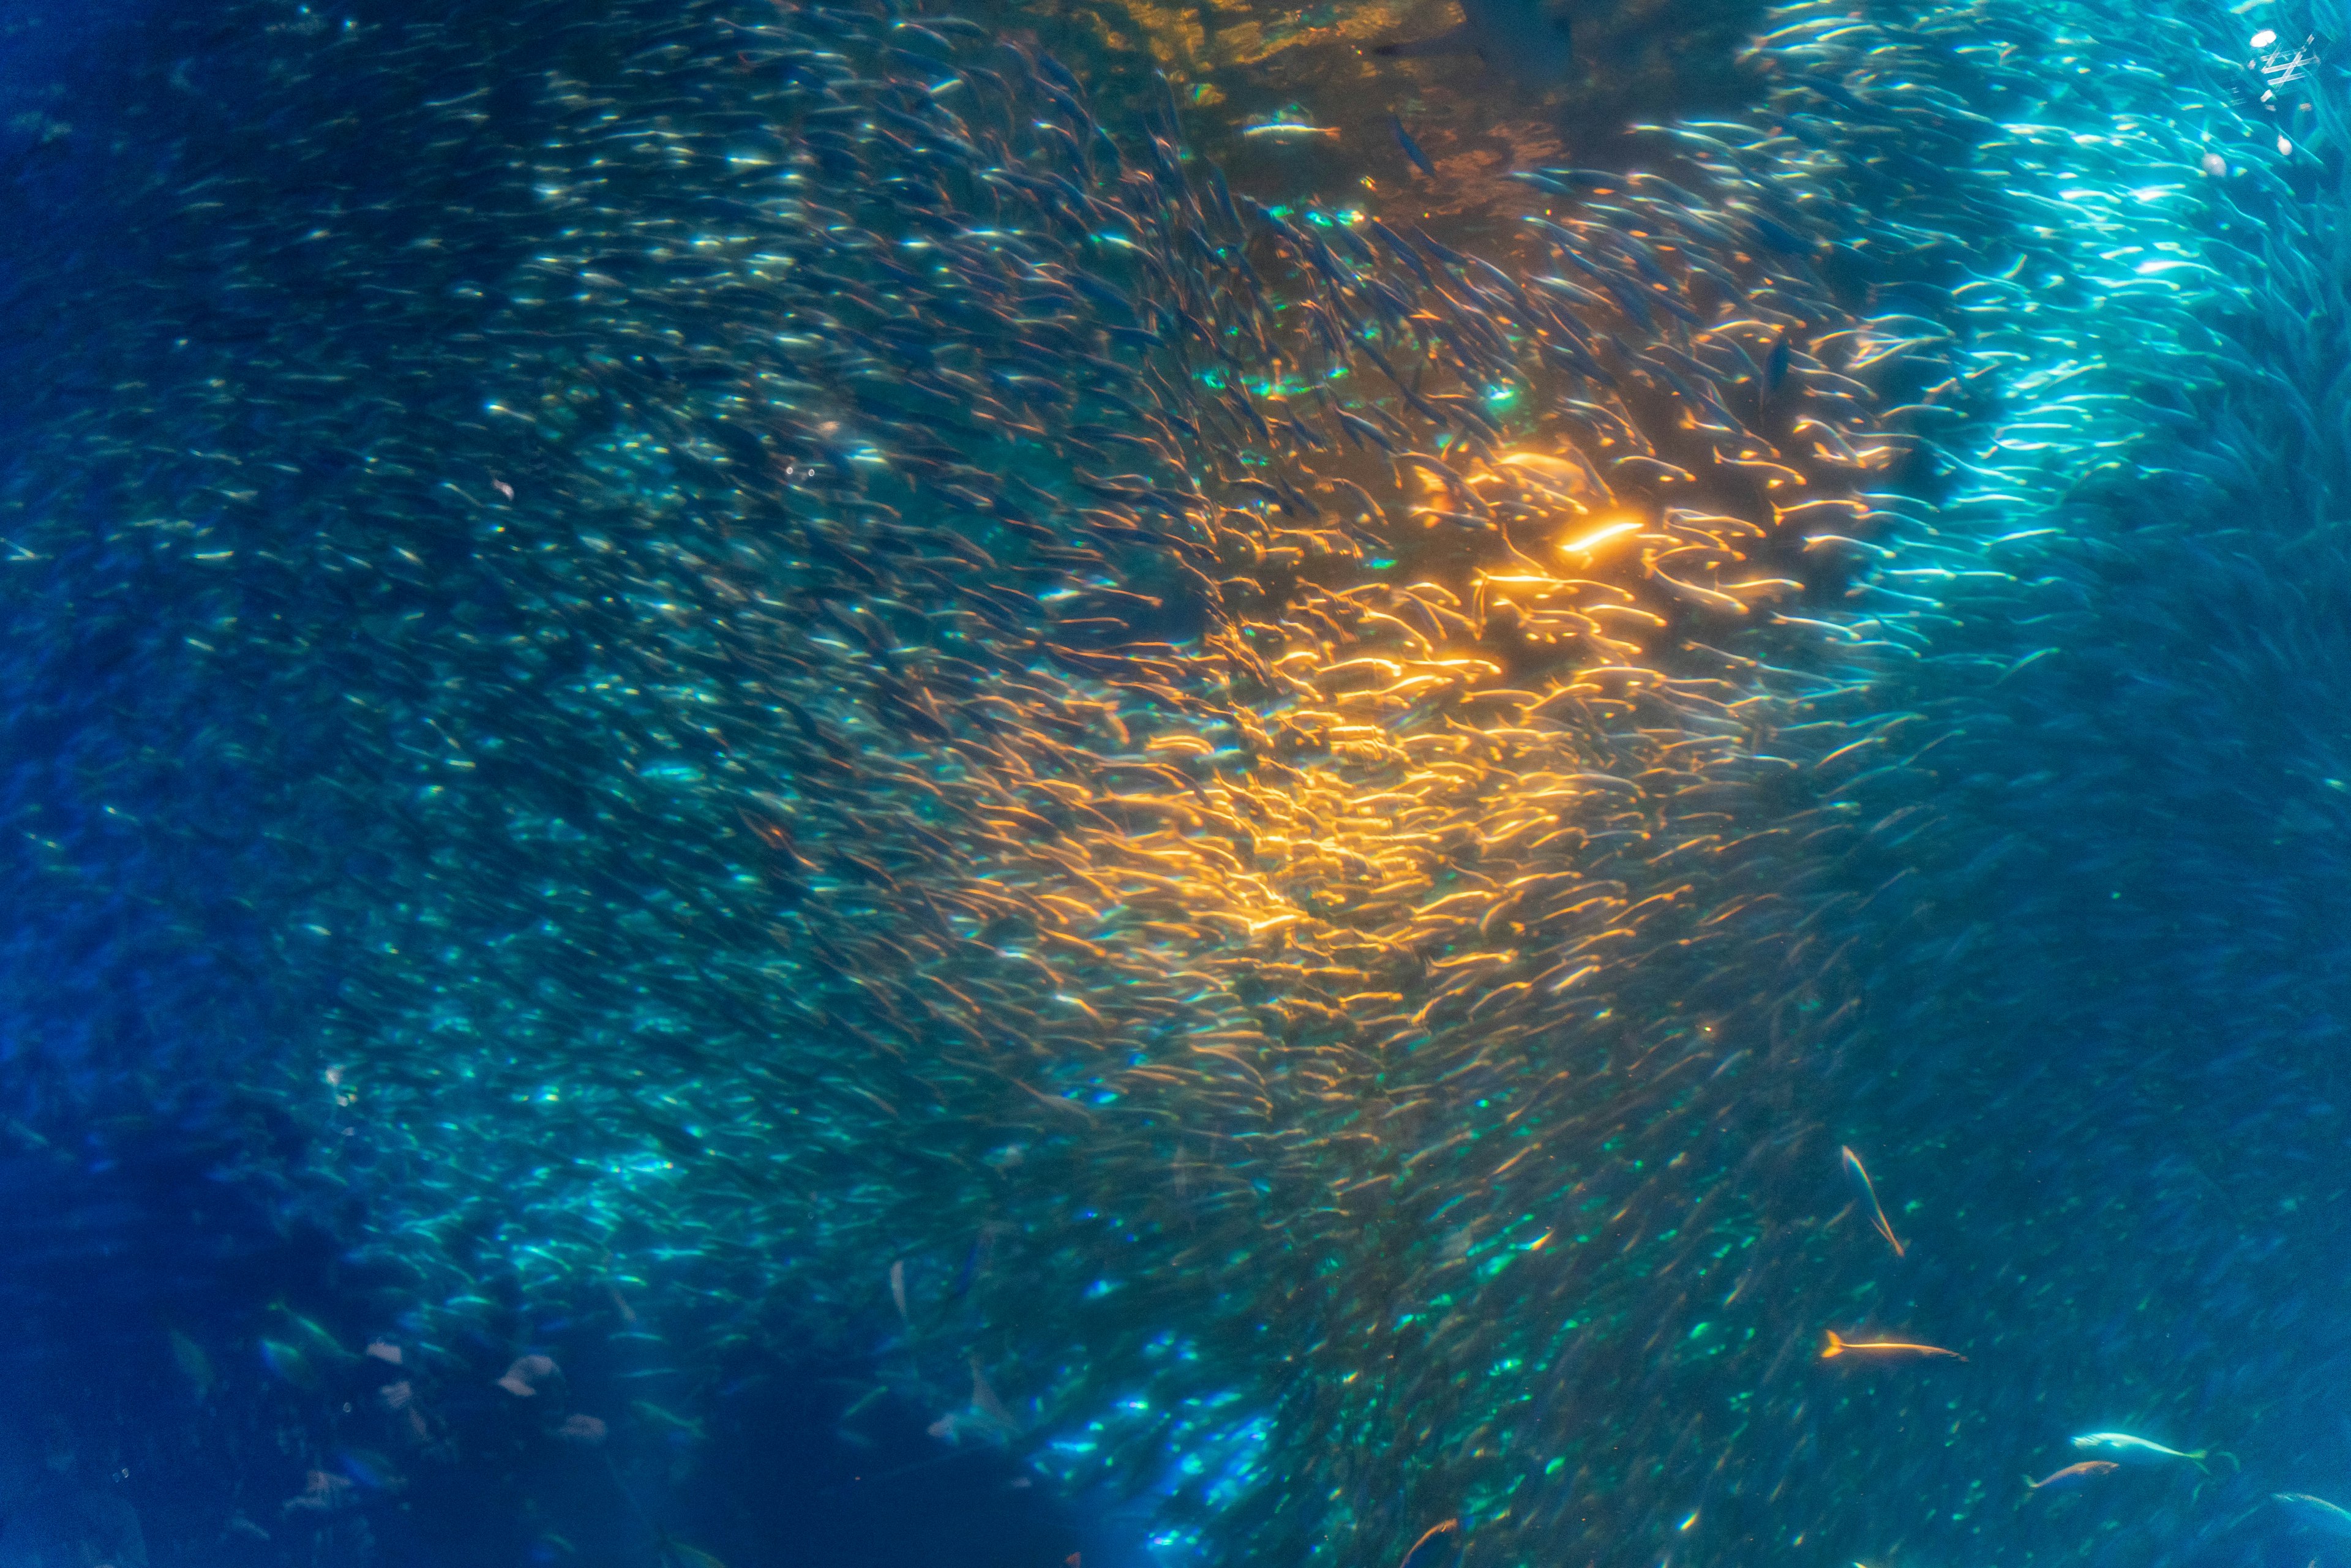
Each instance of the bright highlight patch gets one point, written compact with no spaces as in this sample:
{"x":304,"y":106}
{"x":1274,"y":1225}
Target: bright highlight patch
{"x":1600,"y":536}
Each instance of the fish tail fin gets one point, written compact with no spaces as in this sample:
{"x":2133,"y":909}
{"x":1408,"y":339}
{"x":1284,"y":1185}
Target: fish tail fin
{"x":1834,"y":1346}
{"x":2031,"y":1485}
{"x":2219,"y":1454}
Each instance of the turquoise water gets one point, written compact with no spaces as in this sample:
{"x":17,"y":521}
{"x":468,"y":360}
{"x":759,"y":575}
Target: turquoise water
{"x":823,"y":784}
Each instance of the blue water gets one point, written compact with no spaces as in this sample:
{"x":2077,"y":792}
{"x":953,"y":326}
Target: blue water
{"x":794,"y":784}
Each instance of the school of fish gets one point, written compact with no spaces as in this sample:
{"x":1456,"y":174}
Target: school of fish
{"x":722,"y":665}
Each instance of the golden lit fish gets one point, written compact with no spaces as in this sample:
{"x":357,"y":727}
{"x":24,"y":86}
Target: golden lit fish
{"x":1286,"y":130}
{"x":2071,"y":1475}
{"x":1838,"y":1346}
{"x":1436,"y":1544}
{"x":1869,"y":1188}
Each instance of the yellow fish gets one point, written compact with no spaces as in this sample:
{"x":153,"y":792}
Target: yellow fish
{"x":1285,"y":128}
{"x":1837,"y":1346}
{"x":1440,"y":1542}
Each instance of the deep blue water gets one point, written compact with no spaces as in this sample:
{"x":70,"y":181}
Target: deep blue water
{"x":785,"y":788}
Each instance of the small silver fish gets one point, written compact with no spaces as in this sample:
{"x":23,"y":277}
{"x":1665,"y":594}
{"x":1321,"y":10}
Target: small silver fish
{"x":1877,"y":1210}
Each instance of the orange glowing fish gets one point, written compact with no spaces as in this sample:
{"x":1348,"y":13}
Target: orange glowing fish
{"x":2072,"y":1475}
{"x":1289,"y":130}
{"x":1852,"y":1163}
{"x":1838,"y":1346}
{"x":1439,"y":1543}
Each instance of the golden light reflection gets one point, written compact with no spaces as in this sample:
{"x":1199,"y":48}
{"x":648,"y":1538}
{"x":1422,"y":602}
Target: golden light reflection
{"x":1616,"y":527}
{"x":1473,"y":707}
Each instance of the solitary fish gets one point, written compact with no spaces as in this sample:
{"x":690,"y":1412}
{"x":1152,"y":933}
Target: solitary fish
{"x":2129,"y":1450}
{"x":1526,"y":40}
{"x":1290,"y":130}
{"x":2072,"y":1475}
{"x":1837,"y":1346}
{"x":1437,"y":1544}
{"x":1411,"y":148}
{"x":1869,"y":1189}
{"x":2316,"y":1511}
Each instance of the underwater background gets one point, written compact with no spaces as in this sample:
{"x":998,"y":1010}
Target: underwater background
{"x":1140,"y":784}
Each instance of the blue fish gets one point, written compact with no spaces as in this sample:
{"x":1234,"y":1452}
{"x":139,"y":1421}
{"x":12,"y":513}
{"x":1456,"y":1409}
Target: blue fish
{"x":1411,"y":148}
